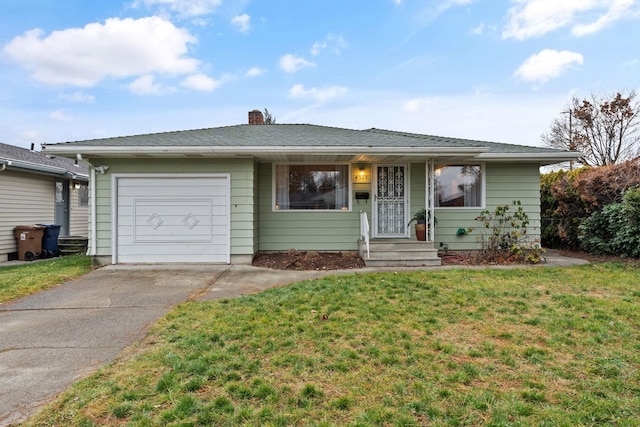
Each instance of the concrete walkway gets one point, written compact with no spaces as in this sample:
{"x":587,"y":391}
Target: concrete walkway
{"x":51,"y":339}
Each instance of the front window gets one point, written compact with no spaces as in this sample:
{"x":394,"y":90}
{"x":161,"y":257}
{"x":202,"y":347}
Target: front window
{"x":458,"y":186}
{"x":312,"y":187}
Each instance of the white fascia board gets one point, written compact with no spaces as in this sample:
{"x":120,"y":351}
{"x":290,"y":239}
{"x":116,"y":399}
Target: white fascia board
{"x":546,"y":158}
{"x":258,"y":150}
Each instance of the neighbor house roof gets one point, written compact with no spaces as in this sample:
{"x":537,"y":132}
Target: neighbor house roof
{"x":17,"y":158}
{"x":294,"y":141}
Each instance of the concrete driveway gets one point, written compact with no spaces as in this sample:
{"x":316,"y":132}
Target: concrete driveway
{"x":53,"y":338}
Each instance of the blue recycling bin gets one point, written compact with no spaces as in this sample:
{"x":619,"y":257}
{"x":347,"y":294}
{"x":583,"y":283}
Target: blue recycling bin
{"x":50,"y":239}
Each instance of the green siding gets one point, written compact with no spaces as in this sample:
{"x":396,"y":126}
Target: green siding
{"x":255,"y":218}
{"x":256,"y":227}
{"x":504,"y":184}
{"x":242,"y":194}
{"x":418,"y":192}
{"x":313,"y":230}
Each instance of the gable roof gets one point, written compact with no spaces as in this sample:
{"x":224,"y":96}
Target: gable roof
{"x":288,"y":142}
{"x":18,"y":158}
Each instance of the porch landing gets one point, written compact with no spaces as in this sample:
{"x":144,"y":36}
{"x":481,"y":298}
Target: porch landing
{"x":399,"y":253}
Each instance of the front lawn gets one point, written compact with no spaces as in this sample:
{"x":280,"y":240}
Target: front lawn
{"x":536,"y":346}
{"x":20,"y":280}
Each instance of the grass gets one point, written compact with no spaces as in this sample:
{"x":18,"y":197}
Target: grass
{"x":539,"y":346}
{"x":20,"y":280}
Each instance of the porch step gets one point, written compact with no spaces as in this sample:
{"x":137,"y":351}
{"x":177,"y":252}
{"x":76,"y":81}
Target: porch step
{"x":399,"y":253}
{"x":71,"y":245}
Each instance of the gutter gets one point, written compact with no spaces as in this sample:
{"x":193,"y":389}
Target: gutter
{"x":50,"y":170}
{"x":544,"y":158}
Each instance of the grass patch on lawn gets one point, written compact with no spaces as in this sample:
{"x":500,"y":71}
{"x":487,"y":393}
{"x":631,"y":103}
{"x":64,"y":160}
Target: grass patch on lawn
{"x":20,"y":280}
{"x":537,"y":346}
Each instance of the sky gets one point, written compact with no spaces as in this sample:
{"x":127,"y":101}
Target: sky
{"x":480,"y":69}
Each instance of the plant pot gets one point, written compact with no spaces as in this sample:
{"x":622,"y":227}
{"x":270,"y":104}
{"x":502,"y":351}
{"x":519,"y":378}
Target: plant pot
{"x":421,"y":232}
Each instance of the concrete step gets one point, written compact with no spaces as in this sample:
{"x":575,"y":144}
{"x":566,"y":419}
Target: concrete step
{"x":70,"y":245}
{"x":399,"y":253}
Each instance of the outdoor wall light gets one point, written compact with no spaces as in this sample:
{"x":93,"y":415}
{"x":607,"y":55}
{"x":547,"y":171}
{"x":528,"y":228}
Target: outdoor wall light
{"x":102,"y":169}
{"x":361,"y":176}
{"x":76,"y":185}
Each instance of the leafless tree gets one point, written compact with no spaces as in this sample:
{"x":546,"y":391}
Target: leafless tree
{"x":269,"y":119}
{"x":605,"y":128}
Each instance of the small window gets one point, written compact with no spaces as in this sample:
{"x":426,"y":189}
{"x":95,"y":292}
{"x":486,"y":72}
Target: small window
{"x":83,"y":195}
{"x":311,"y":187}
{"x":458,"y":186}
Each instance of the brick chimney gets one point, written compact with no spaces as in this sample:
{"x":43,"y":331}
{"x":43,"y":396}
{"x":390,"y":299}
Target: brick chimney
{"x":256,"y":117}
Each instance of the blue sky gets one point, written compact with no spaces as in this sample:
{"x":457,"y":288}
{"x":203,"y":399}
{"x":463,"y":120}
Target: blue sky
{"x":481,"y":69}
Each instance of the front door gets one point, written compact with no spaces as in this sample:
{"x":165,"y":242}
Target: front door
{"x":62,"y":206}
{"x":390,"y":203}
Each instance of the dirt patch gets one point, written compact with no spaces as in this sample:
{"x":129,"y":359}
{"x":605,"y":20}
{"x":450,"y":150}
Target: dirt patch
{"x":312,"y":260}
{"x":309,"y":260}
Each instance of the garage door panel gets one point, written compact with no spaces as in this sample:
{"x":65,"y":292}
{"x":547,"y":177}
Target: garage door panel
{"x":179,"y":251}
{"x":173,"y":219}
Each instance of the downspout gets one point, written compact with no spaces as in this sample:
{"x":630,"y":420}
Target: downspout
{"x":430,"y":199}
{"x":93,"y":237}
{"x":91,"y":250}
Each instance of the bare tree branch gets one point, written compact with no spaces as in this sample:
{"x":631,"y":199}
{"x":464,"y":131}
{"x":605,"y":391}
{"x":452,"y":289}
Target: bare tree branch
{"x":605,"y":129}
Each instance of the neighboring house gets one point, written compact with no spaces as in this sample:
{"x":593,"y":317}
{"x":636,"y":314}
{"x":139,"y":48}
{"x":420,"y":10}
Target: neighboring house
{"x":223,"y":194}
{"x":40,"y":189}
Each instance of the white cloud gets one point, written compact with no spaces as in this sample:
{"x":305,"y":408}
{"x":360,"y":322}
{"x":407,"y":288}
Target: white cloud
{"x":119,"y":48}
{"x":146,"y":85}
{"x":446,"y":4}
{"x":78,"y":97}
{"x":318,"y":47}
{"x":618,"y":9}
{"x":201,"y":82}
{"x":60,"y":115}
{"x":317,"y":94}
{"x":290,"y":63}
{"x":183,"y":7}
{"x":479,"y":30}
{"x":242,"y":22}
{"x":332,"y":43}
{"x":534,"y":18}
{"x":431,"y":10}
{"x":547,"y":64}
{"x":255,"y":72}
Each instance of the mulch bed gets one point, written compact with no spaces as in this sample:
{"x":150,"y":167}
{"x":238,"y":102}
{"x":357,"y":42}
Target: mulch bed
{"x":309,"y":260}
{"x":312,"y":260}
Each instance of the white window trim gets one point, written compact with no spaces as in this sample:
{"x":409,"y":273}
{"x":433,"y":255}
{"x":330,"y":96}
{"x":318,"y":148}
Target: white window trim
{"x":311,"y":211}
{"x":483,"y":192}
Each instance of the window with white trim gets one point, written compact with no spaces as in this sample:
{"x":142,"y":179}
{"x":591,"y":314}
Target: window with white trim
{"x":458,"y":186}
{"x":311,"y":187}
{"x":83,"y":195}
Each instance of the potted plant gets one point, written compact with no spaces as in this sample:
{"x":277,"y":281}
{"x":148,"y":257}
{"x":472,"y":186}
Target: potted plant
{"x":420,"y":217}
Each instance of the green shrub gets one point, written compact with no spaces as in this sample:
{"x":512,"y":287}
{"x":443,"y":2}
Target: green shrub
{"x":615,"y":229}
{"x":504,"y":235}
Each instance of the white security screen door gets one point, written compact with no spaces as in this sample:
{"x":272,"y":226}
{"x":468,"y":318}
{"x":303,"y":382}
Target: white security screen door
{"x":391,"y":201}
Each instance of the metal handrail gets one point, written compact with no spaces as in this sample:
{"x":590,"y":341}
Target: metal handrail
{"x":364,"y":229}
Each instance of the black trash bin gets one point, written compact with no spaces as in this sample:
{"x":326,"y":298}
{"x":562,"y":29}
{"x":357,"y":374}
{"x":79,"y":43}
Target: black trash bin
{"x":50,"y":239}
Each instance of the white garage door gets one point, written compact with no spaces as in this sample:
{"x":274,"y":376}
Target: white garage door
{"x":173,"y":219}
